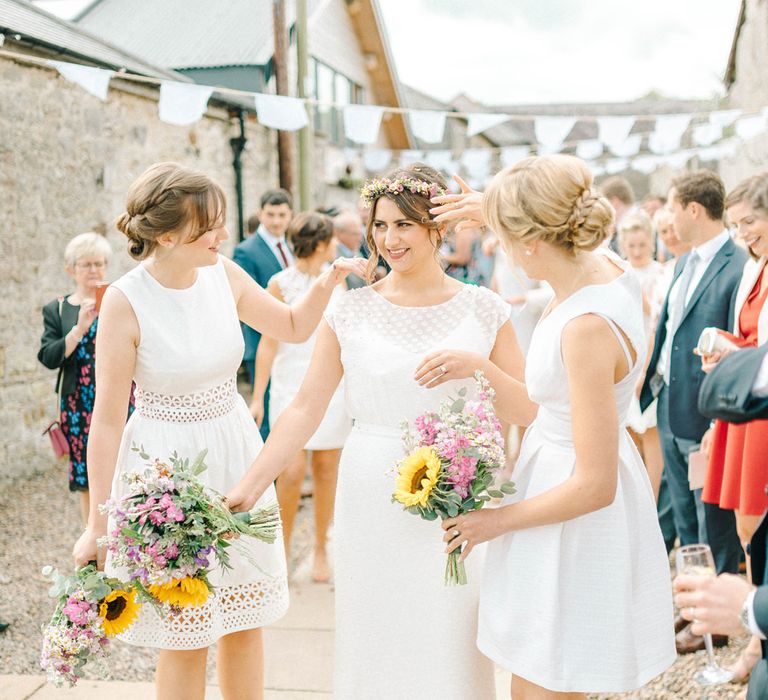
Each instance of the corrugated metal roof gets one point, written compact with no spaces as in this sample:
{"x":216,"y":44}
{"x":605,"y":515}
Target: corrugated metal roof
{"x":189,"y":33}
{"x":38,"y":26}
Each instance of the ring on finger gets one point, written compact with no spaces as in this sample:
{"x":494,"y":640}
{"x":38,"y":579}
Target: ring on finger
{"x":456,"y":533}
{"x":443,"y":370}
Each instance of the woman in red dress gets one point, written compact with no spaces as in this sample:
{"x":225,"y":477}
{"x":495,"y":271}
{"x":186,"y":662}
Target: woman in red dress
{"x":737,"y":472}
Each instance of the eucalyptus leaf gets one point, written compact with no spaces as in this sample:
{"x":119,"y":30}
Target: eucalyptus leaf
{"x":493,"y":493}
{"x":462,"y":392}
{"x":508,"y":487}
{"x":457,"y":406}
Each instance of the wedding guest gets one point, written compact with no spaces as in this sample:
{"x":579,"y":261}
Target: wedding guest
{"x":737,"y":470}
{"x":252,"y":225}
{"x":68,"y":343}
{"x":173,"y":323}
{"x":263,"y":255}
{"x":619,"y":193}
{"x":348,"y":231}
{"x":665,"y":233}
{"x":314,"y":246}
{"x":636,"y":242}
{"x":459,"y":253}
{"x":391,"y":603}
{"x":699,"y":297}
{"x":652,"y":203}
{"x":584,"y":519}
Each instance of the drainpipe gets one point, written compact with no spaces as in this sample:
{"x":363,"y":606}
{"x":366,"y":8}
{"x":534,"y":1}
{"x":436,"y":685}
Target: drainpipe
{"x":238,"y":146}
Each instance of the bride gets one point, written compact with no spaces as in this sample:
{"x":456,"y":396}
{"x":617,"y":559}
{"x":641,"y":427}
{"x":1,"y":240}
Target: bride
{"x":400,"y":633}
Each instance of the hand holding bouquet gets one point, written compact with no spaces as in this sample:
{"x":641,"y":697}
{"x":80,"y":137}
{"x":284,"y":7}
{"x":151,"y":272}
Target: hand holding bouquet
{"x":453,"y":459}
{"x":90,"y":608}
{"x":170,"y":524}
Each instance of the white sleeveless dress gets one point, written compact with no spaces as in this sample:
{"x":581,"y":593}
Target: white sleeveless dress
{"x":583,"y":605}
{"x":186,"y":400}
{"x":400,"y":632}
{"x":291,"y":364}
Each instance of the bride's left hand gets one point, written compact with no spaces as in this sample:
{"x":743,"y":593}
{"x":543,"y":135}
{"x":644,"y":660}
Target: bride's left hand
{"x":445,"y":365}
{"x":473,"y":528}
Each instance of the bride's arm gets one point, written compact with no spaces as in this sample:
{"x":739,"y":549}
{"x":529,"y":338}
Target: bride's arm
{"x":591,"y":374}
{"x":117,"y":340}
{"x":504,"y":369}
{"x":296,"y":424}
{"x":291,"y":324}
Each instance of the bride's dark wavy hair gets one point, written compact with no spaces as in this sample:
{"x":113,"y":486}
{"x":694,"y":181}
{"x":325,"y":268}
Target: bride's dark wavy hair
{"x":413,"y":206}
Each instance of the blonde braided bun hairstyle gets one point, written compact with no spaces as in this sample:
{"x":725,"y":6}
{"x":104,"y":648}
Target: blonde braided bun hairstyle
{"x":551,"y":199}
{"x":167,"y":198}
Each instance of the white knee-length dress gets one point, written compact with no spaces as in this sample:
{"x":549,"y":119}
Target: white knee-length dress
{"x":583,"y":605}
{"x":186,"y":401}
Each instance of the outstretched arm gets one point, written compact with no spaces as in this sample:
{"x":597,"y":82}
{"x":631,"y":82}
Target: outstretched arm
{"x":296,"y":424}
{"x":265,"y":357}
{"x":291,"y":324}
{"x":592,"y":372}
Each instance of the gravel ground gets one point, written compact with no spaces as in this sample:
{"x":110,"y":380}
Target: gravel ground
{"x":39,"y":523}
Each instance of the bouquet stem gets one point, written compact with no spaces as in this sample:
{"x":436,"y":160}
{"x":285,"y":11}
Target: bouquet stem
{"x":455,"y":572}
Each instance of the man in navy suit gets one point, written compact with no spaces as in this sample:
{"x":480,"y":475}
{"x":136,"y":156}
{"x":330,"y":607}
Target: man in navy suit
{"x":700,"y":296}
{"x":263,"y":255}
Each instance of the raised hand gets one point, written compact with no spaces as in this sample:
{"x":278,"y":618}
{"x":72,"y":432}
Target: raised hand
{"x":85,"y":316}
{"x":342,"y":267}
{"x":445,"y":365}
{"x":465,"y":207}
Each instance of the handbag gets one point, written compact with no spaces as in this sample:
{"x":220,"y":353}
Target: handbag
{"x":59,"y":443}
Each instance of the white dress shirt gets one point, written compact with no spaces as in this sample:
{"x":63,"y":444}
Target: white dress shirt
{"x":272,"y":242}
{"x":760,"y":387}
{"x":706,"y":253}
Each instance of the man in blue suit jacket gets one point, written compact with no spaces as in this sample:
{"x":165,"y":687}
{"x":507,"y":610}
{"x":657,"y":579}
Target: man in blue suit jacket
{"x":700,"y":296}
{"x":263,"y":255}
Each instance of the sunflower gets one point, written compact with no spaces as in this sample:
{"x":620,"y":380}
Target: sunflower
{"x":182,"y":592}
{"x":417,"y":477}
{"x":118,"y":610}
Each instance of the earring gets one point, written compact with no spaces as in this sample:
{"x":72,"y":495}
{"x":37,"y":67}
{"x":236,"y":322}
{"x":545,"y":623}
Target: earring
{"x":529,"y":252}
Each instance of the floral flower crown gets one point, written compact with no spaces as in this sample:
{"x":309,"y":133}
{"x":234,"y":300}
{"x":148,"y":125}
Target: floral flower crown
{"x":373,"y":189}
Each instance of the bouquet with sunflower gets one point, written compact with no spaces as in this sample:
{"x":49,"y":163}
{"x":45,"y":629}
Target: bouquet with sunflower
{"x":453,"y":458}
{"x":90,"y":608}
{"x":167,"y":528}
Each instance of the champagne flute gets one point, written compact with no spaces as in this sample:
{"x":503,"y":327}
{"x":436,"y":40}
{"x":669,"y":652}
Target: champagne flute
{"x":696,"y":560}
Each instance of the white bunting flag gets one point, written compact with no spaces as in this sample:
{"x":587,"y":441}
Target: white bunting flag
{"x":92,"y":80}
{"x":589,"y":149}
{"x":513,"y":154}
{"x":409,"y":157}
{"x":706,"y":134}
{"x":630,"y":147}
{"x":281,"y":112}
{"x":440,"y":160}
{"x":551,"y":132}
{"x":597,"y":169}
{"x":477,"y":161}
{"x":377,"y":160}
{"x":749,"y":127}
{"x":613,"y":131}
{"x":669,"y":130}
{"x":181,"y":103}
{"x":427,"y":126}
{"x":677,"y":161}
{"x":646,"y":164}
{"x":362,"y":122}
{"x":724,"y":117}
{"x":616,"y":165}
{"x":481,"y":121}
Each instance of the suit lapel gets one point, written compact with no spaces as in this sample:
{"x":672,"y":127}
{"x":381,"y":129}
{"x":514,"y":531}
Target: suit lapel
{"x":717,"y":264}
{"x":265,"y":250}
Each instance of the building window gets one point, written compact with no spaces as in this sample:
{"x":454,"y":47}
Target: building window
{"x":328,"y":85}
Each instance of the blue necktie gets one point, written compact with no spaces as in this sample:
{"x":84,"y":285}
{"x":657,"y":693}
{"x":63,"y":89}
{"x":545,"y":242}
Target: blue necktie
{"x":678,"y":308}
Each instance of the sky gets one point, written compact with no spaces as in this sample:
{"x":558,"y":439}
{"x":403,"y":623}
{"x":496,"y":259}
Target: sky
{"x":532,"y":51}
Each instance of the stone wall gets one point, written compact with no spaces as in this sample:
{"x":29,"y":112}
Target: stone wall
{"x":66,"y":160}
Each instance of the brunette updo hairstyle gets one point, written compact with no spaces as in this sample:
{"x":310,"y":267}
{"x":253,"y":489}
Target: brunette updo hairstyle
{"x":307,"y":230}
{"x":548,"y":198}
{"x":168,"y":198}
{"x":413,"y":206}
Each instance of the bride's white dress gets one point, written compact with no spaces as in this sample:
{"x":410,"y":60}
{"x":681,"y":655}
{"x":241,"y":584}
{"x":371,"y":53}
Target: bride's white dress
{"x":401,"y":633}
{"x":583,"y":605}
{"x":187,"y":401}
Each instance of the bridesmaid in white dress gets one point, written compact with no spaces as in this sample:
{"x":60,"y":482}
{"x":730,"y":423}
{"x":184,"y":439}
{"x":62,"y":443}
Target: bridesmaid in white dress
{"x":172,"y":324}
{"x":576,"y":595}
{"x":400,"y":632}
{"x":314,"y":247}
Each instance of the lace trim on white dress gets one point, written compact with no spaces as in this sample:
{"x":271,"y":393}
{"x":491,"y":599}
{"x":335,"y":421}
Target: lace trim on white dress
{"x":188,"y":408}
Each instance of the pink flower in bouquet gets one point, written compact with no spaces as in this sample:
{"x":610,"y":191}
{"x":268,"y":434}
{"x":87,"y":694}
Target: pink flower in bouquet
{"x":172,"y":551}
{"x":174,"y":514}
{"x":156,"y":517}
{"x":427,"y":426}
{"x":77,"y":611}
